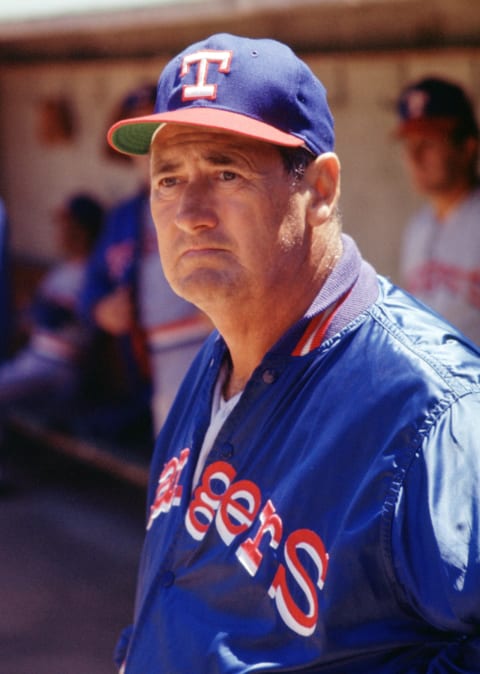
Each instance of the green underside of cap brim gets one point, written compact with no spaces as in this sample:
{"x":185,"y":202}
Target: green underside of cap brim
{"x":134,"y":138}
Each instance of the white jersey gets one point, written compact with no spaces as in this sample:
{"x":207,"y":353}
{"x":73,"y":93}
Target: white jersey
{"x":440,"y":263}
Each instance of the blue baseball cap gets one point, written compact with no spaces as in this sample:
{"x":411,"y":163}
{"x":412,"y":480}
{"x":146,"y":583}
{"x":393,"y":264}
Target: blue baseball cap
{"x":254,"y":87}
{"x":436,"y":105}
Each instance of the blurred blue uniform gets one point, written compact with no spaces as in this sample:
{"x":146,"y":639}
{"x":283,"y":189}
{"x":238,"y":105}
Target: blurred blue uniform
{"x":50,"y":366}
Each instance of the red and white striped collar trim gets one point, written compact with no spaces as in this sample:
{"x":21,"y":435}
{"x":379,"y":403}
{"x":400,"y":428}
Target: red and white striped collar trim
{"x":315,"y":332}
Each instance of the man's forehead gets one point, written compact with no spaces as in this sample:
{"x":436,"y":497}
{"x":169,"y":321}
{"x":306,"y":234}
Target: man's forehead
{"x":172,"y":135}
{"x":175,"y":143}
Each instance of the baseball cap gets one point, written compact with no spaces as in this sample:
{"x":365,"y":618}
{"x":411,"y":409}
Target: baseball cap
{"x":254,"y":87}
{"x":433,"y":103}
{"x":140,"y":98}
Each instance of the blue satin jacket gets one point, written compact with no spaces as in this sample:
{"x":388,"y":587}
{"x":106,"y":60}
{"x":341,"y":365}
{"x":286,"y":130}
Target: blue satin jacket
{"x":336,"y":526}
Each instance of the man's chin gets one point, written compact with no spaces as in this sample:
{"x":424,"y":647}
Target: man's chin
{"x":205,"y":286}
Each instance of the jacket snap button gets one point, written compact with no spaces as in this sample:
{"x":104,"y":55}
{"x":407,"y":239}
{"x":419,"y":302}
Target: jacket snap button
{"x":268,"y":377}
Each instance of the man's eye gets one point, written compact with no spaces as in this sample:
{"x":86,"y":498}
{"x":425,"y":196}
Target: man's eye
{"x":228,"y":175}
{"x":168,"y":182}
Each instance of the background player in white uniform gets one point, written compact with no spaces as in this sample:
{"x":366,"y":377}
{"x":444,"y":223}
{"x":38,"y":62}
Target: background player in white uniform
{"x":440,"y":261}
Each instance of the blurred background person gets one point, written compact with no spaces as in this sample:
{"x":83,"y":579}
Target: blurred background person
{"x":49,"y":368}
{"x":440,"y":257}
{"x":127,"y":295}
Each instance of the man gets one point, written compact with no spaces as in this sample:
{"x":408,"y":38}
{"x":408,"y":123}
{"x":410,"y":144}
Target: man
{"x":50,"y":367}
{"x":313,"y":504}
{"x":440,"y":261}
{"x":128,"y":296}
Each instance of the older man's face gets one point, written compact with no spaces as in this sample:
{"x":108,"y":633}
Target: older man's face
{"x":230,"y":220}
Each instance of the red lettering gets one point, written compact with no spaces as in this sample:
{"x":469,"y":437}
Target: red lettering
{"x":234,"y":506}
{"x":205,"y":501}
{"x":474,"y":288}
{"x":435,"y":275}
{"x":233,"y":517}
{"x":299,"y":621}
{"x":248,"y":553}
{"x":169,"y":492}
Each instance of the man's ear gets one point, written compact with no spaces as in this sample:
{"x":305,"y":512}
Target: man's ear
{"x":323,"y":180}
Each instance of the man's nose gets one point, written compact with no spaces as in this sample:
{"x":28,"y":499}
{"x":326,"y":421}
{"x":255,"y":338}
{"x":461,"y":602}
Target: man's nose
{"x":195,"y":207}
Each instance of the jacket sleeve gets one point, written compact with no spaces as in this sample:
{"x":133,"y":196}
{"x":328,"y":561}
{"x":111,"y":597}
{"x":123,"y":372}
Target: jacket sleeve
{"x":436,"y":535}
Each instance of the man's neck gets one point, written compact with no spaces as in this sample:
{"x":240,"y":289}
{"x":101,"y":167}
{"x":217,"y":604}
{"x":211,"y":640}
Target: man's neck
{"x":250,"y":334}
{"x":445,"y":202}
{"x":247,"y":345}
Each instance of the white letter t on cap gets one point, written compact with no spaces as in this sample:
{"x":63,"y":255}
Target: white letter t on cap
{"x":201,"y":89}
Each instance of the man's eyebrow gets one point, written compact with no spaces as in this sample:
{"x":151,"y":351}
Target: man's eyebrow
{"x":214,"y":158}
{"x":165,"y":165}
{"x":220,"y":158}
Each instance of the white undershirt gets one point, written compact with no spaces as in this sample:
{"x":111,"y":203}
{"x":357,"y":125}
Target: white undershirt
{"x":221,"y":409}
